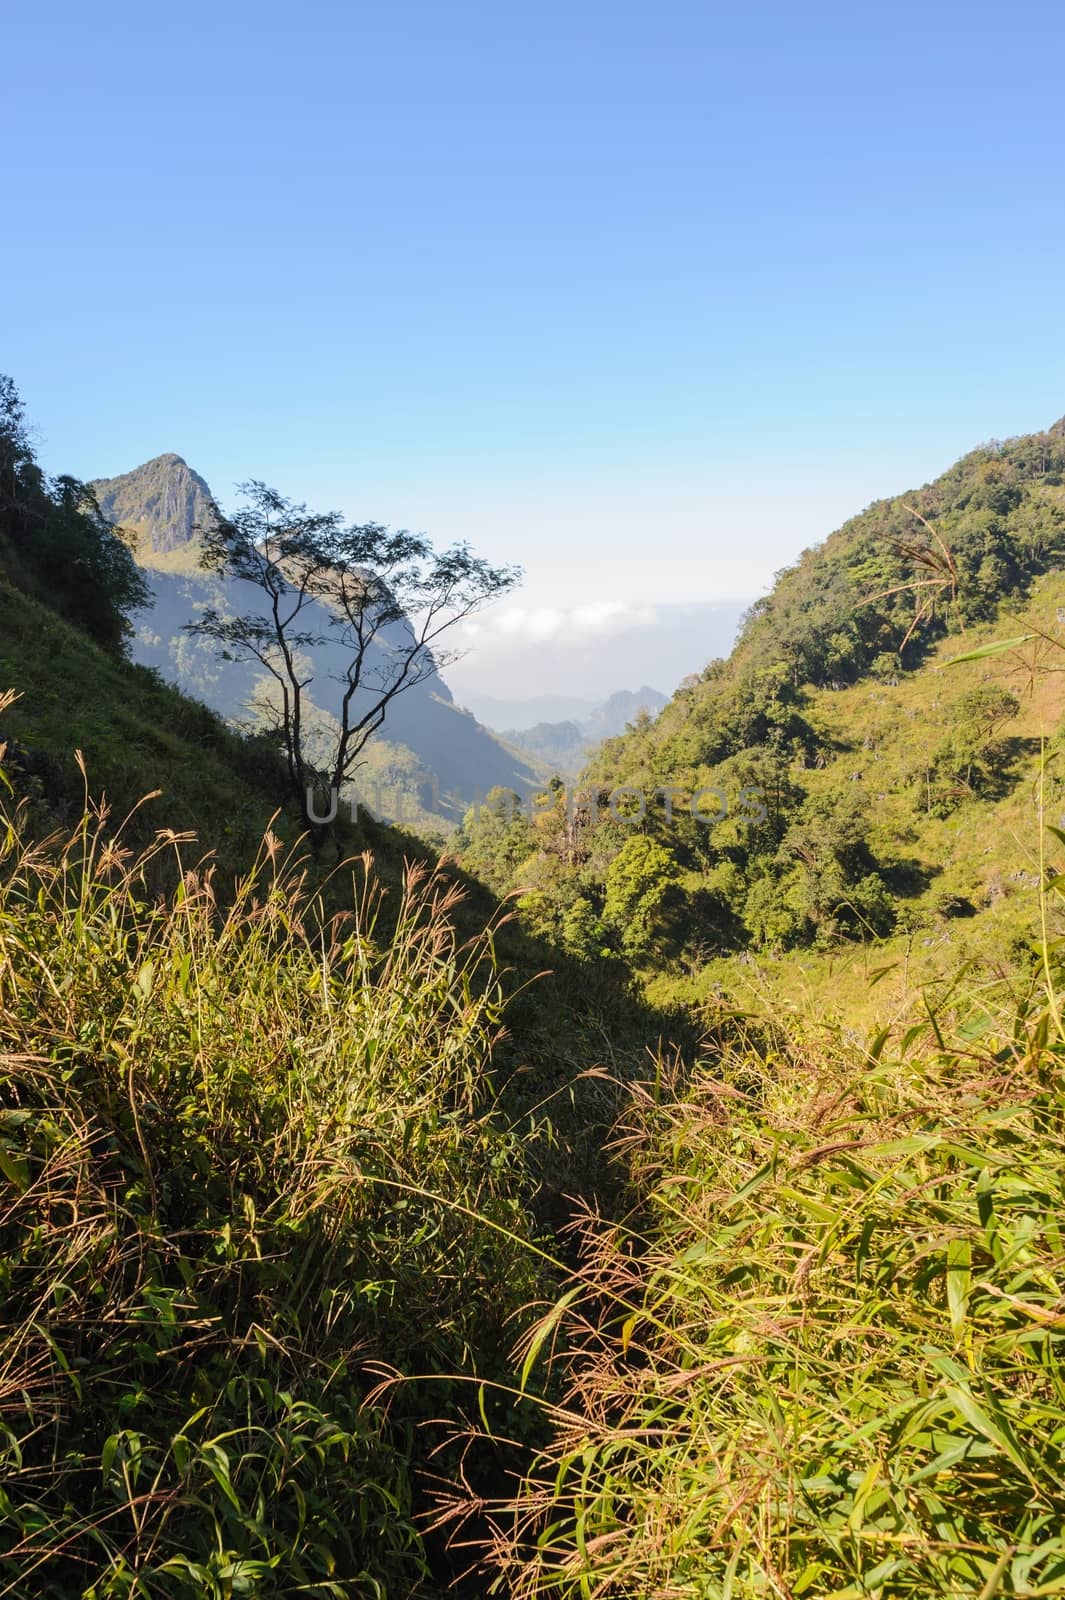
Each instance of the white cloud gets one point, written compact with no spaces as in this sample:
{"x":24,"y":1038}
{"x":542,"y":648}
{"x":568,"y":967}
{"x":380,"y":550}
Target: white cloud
{"x":523,"y":625}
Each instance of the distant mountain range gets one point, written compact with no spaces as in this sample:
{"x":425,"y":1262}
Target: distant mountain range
{"x":499,"y":713}
{"x":565,"y":745}
{"x":434,"y":759}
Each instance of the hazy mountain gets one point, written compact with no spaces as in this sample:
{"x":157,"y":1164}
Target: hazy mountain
{"x":561,"y":746}
{"x":520,"y":714}
{"x":623,"y":707}
{"x":436,"y":753}
{"x":600,"y":718}
{"x":565,"y":746}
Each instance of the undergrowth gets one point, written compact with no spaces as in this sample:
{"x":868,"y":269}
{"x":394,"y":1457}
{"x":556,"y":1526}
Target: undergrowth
{"x":827,"y":1355}
{"x":251,"y":1166}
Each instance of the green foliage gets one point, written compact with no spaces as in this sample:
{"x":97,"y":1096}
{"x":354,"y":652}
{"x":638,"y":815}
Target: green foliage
{"x":894,"y":579}
{"x":971,"y":758}
{"x":825,"y":883}
{"x":826,"y":1357}
{"x":55,"y":541}
{"x":496,"y":838}
{"x":251,"y":1166}
{"x":639,"y":882}
{"x":582,"y":931}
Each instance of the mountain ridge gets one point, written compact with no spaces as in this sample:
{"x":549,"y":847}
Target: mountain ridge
{"x":568,"y":744}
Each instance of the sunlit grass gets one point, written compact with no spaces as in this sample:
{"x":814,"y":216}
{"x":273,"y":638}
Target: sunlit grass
{"x":827,"y":1355}
{"x":249,"y":1160}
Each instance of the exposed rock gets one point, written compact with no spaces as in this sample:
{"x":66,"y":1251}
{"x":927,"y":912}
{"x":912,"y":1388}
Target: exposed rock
{"x":161,"y":502}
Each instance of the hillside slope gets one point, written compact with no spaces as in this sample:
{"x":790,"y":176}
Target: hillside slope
{"x":852,"y":791}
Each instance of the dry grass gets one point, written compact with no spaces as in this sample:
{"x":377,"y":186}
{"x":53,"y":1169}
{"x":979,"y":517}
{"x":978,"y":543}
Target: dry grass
{"x":222,"y":1129}
{"x":826,"y":1358}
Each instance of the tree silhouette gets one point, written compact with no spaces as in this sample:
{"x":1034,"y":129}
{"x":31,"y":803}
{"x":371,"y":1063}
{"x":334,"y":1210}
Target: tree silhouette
{"x":382,"y":601}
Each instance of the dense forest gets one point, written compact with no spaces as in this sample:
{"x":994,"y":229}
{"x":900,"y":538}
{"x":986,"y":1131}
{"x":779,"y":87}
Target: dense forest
{"x":661,"y":1199}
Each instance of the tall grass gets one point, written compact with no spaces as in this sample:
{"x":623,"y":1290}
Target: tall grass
{"x":827,"y":1356}
{"x":222,"y":1120}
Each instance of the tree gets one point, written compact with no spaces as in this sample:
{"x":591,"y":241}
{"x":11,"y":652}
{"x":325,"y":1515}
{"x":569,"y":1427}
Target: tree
{"x":496,"y":838}
{"x":640,"y":884}
{"x":376,"y":601}
{"x":57,"y":544}
{"x":581,"y":930}
{"x":972,"y":755}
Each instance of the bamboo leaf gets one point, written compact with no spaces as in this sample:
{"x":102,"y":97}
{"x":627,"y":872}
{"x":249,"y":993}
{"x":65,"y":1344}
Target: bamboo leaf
{"x":959,"y":1277}
{"x":985,"y":651}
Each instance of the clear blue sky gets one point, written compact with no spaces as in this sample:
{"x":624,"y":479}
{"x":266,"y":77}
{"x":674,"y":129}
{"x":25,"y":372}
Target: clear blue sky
{"x":645,"y":297}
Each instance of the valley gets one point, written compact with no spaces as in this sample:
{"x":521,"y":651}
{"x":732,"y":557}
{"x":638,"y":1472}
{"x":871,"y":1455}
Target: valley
{"x":540,"y":1191}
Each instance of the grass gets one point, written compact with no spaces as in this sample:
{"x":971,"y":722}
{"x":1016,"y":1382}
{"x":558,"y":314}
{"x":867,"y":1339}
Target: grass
{"x":138,"y":737}
{"x":826,"y":1355}
{"x":251,"y":1163}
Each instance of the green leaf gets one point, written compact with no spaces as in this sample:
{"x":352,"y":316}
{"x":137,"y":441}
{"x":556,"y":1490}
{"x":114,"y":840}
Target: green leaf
{"x":977,"y":1418}
{"x":959,"y":1277}
{"x":995,"y":1576}
{"x":546,"y":1326}
{"x":15,"y":1169}
{"x":984,"y":651}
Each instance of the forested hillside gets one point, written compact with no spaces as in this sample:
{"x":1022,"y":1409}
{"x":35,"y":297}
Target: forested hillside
{"x":847,"y":785}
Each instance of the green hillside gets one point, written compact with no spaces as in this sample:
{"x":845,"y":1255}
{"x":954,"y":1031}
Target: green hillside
{"x":869,"y":792}
{"x":136,"y":734}
{"x":280,"y":1095}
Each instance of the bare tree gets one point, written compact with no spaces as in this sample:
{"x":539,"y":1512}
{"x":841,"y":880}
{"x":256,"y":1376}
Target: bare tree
{"x":380,"y":600}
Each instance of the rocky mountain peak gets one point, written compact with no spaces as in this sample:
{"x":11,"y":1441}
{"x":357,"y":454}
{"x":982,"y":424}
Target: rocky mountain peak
{"x":161,"y":502}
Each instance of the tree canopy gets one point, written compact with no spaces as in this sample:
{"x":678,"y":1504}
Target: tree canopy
{"x":53,"y":534}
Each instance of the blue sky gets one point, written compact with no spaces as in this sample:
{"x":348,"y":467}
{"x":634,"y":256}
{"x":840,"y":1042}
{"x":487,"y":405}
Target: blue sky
{"x":645,"y":297}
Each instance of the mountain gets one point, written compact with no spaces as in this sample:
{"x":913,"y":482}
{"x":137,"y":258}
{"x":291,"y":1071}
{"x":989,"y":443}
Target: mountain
{"x":623,"y":707}
{"x":519,"y":714}
{"x":160,"y":503}
{"x":433,"y":759}
{"x":565,"y":746}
